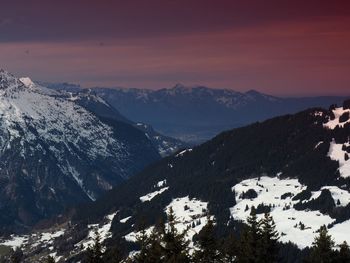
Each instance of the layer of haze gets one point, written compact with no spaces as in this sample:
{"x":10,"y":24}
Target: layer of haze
{"x":277,"y":47}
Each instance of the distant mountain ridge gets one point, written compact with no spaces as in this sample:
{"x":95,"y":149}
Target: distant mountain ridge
{"x":196,"y":114}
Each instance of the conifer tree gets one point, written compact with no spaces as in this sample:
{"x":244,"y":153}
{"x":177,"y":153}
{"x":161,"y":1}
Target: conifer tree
{"x":113,"y":255}
{"x":322,"y":250}
{"x":208,"y":245}
{"x":49,"y":259}
{"x":230,"y":248}
{"x":253,"y":224}
{"x":344,"y":253}
{"x":268,"y":248}
{"x":175,"y":245}
{"x":245,"y":250}
{"x":94,"y":253}
{"x":142,"y":240}
{"x":249,"y":240}
{"x":17,"y":256}
{"x":151,"y":249}
{"x":155,"y":249}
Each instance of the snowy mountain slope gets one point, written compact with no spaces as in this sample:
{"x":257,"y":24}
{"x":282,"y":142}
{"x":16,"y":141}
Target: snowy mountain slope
{"x":56,"y":153}
{"x":164,"y":144}
{"x":89,"y":100}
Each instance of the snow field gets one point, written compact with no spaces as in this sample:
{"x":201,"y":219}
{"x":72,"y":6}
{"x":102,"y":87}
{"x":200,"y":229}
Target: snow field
{"x":296,"y":226}
{"x":331,"y":124}
{"x":336,"y":153}
{"x":102,"y":230}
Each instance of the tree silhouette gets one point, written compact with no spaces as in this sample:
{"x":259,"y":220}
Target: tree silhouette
{"x":208,"y":244}
{"x":322,"y":250}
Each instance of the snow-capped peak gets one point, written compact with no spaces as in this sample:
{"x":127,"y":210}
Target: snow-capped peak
{"x":27,"y":82}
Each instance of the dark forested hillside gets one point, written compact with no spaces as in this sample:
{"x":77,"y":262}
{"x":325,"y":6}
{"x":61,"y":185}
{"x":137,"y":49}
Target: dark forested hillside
{"x":284,"y":144}
{"x":288,"y":146}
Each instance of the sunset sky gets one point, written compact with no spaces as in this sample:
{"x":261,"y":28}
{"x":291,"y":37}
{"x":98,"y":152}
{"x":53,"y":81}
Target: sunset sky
{"x":277,"y":47}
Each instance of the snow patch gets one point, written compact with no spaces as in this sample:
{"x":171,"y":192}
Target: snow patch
{"x":27,"y":82}
{"x":296,"y":226}
{"x":161,"y":183}
{"x":318,"y":144}
{"x":102,"y":230}
{"x":331,"y":124}
{"x":15,"y":241}
{"x":183,"y":152}
{"x":37,"y":239}
{"x":150,"y":196}
{"x":124,"y":220}
{"x":336,"y":153}
{"x":190,"y":215}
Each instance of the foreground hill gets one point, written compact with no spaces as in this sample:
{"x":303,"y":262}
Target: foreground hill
{"x":55,"y":152}
{"x":294,"y":166}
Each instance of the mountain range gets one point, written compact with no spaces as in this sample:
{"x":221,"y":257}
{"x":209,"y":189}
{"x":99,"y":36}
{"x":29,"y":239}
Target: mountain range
{"x":196,"y":114}
{"x":72,"y":164}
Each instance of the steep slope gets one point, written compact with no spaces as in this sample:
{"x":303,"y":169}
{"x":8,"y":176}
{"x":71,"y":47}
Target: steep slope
{"x":88,"y":99}
{"x":295,"y":166}
{"x":199,"y":113}
{"x":56,"y":153}
{"x":164,"y":144}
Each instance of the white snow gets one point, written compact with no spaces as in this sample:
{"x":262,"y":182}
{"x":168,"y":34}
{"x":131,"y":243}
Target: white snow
{"x":37,"y":239}
{"x":103,"y":231}
{"x":183,"y":152}
{"x":47,"y":238}
{"x":124,"y":220}
{"x":132,"y":237}
{"x":331,"y":124}
{"x":340,"y":232}
{"x":318,"y":113}
{"x":150,"y":196}
{"x":194,"y":209}
{"x":54,"y":255}
{"x":27,"y":82}
{"x":287,"y":219}
{"x":188,"y":212}
{"x":15,"y":241}
{"x":337,"y":154}
{"x":161,"y":183}
{"x":318,"y":144}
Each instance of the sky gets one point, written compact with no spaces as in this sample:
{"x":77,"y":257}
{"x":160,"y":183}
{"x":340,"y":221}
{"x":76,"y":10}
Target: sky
{"x":280,"y":47}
